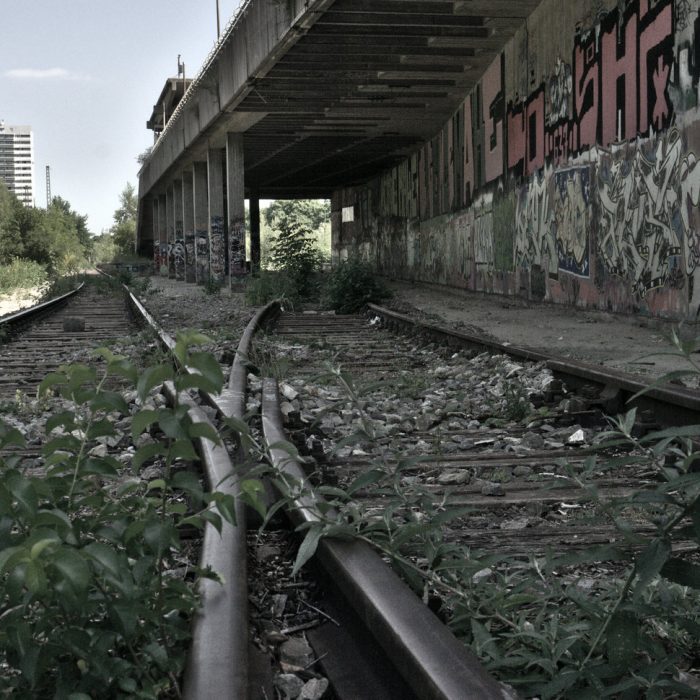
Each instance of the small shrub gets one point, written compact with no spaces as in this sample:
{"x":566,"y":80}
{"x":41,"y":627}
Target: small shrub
{"x":212,"y":287}
{"x":351,"y":285}
{"x":87,"y":551}
{"x":21,"y":274}
{"x":269,"y":285}
{"x":294,"y":253}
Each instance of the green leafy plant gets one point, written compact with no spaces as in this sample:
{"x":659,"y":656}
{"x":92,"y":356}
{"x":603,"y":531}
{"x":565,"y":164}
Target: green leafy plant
{"x":351,"y":285}
{"x":212,"y":287}
{"x":294,"y":252}
{"x":91,"y":603}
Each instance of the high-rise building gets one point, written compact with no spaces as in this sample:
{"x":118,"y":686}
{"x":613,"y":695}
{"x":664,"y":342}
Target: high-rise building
{"x":17,"y":161}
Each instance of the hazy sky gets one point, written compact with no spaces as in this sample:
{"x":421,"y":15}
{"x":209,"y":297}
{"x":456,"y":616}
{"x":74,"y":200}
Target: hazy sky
{"x":84,"y":74}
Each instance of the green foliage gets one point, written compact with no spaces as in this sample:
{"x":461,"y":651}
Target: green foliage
{"x":124,"y":229}
{"x":212,"y":287}
{"x":351,"y":285}
{"x":21,"y":274}
{"x":91,"y":607}
{"x":313,"y":216}
{"x":266,"y":286}
{"x":293,"y":252}
{"x":56,"y":238}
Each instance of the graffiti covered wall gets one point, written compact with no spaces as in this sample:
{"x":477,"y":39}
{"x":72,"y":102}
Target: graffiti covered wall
{"x":569,"y":174}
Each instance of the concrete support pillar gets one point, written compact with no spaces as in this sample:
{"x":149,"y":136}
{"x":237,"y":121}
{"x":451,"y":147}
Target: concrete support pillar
{"x":156,"y":238}
{"x":188,"y":224}
{"x":254,"y":233}
{"x":217,"y":238}
{"x":179,"y":249}
{"x":236,"y":205}
{"x":163,"y":234}
{"x":146,"y":238}
{"x":170,"y":225}
{"x":201,"y":222}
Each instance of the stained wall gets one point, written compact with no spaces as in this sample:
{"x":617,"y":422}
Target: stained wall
{"x":569,"y":174}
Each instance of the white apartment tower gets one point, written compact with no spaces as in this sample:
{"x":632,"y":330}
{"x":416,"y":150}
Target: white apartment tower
{"x":17,"y":161}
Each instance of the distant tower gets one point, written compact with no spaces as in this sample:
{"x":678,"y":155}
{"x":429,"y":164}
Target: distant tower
{"x":48,"y":186}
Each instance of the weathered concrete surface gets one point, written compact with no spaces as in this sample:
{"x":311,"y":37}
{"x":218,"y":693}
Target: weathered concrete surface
{"x":329,"y":92}
{"x":568,"y":174}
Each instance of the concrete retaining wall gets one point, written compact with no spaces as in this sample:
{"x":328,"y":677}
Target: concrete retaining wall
{"x":568,"y":174}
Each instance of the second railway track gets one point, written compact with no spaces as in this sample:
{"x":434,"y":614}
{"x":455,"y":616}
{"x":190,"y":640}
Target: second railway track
{"x":399,"y":432}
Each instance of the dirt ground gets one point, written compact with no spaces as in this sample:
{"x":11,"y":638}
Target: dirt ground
{"x":9,"y":303}
{"x":627,"y":343}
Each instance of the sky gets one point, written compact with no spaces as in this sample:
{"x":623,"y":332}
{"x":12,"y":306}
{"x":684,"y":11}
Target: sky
{"x":84,"y":75}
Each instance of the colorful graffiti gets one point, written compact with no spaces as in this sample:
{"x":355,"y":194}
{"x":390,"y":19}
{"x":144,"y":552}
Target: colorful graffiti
{"x":201,"y":256}
{"x":190,"y":275}
{"x":171,"y":259}
{"x":534,"y":240}
{"x":237,"y":247}
{"x":484,"y":255}
{"x":164,"y":247}
{"x":217,"y":249}
{"x":584,"y":188}
{"x":179,"y":256}
{"x":645,"y":234}
{"x":571,"y":221}
{"x":620,"y":78}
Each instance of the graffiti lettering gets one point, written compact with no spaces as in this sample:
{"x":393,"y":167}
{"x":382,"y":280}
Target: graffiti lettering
{"x":646,"y":199}
{"x":201,"y":256}
{"x":618,"y":89}
{"x":237,"y":247}
{"x":189,"y":257}
{"x":217,"y":249}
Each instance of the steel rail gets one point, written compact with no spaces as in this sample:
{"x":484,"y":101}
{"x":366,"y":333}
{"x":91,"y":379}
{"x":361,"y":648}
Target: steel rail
{"x":218,"y":661}
{"x":435,"y":664}
{"x":29,"y":313}
{"x":678,"y":404}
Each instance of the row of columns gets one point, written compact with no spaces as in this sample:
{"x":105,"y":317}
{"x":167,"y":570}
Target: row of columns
{"x":199,"y":234}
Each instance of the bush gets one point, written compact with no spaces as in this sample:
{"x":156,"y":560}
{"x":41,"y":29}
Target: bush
{"x":294,"y":253}
{"x":351,"y":285}
{"x":88,"y":552}
{"x":268,"y":286}
{"x":21,"y":274}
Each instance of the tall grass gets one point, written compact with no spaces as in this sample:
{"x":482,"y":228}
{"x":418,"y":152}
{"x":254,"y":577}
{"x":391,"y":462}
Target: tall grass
{"x":21,"y":274}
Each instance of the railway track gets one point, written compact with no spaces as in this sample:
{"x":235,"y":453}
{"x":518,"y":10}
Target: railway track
{"x":425,"y":427}
{"x":40,"y":339}
{"x":449,"y":447}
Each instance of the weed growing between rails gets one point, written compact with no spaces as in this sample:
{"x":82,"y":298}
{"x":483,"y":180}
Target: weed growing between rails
{"x":92,"y":601}
{"x":549,"y":625}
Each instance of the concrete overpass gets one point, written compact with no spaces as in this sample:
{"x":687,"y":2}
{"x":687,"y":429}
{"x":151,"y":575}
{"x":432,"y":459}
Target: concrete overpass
{"x":547,"y":150}
{"x":301,"y":98}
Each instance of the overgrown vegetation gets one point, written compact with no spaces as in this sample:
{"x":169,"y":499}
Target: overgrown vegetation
{"x":295,"y":249}
{"x":549,"y":625}
{"x":92,"y":605}
{"x":21,"y":274}
{"x":56,"y":238}
{"x":351,"y":285}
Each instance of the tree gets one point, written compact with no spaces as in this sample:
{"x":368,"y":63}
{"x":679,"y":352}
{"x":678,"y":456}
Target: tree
{"x":128,"y":205}
{"x":124,"y":229}
{"x":310,"y":213}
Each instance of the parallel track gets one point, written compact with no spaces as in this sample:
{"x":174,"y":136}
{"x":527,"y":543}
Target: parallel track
{"x":529,"y":480}
{"x":38,"y":343}
{"x":370,"y":353}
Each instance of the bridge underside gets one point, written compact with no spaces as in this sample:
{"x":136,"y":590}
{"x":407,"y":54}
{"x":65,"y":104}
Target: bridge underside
{"x":366,"y":83}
